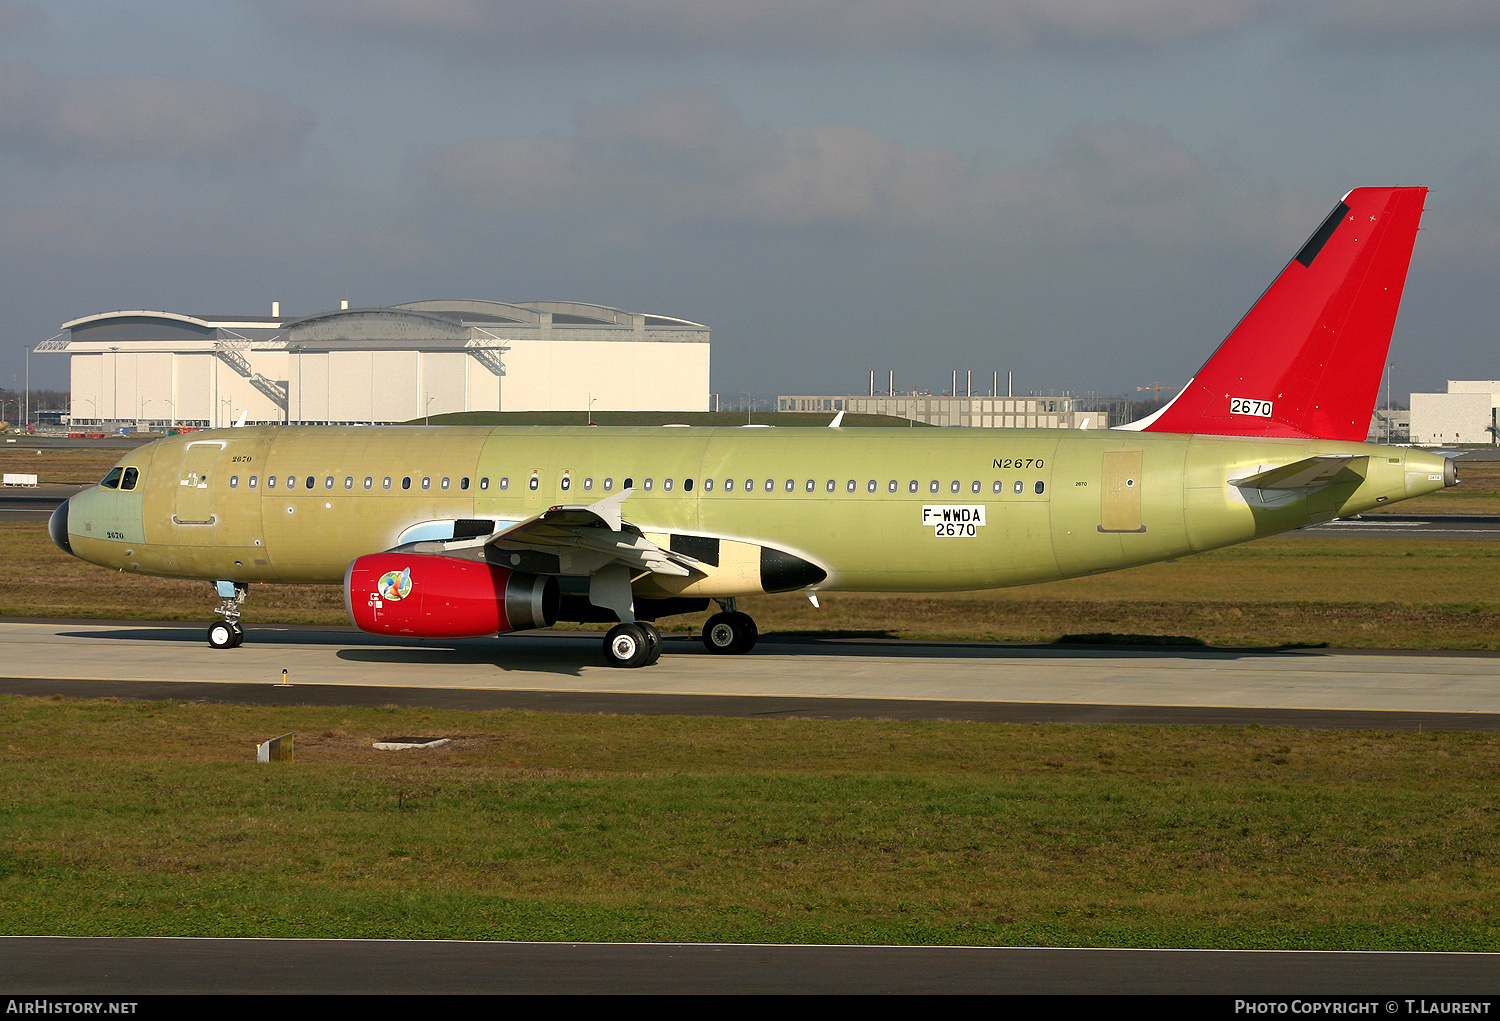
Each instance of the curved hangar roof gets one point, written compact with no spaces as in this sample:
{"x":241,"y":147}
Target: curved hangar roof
{"x":442,"y":319}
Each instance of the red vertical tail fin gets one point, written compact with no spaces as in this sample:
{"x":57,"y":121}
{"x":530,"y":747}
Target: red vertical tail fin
{"x":1307,"y":359}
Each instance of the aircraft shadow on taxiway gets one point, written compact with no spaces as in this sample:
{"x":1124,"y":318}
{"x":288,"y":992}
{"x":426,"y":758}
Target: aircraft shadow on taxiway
{"x":568,"y":652}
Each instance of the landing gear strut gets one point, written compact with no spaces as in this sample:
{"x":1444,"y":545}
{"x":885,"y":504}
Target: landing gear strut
{"x":730,"y":632}
{"x":227,"y":633}
{"x":632,"y":645}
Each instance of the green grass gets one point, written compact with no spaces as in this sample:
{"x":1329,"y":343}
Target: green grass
{"x":150,"y":819}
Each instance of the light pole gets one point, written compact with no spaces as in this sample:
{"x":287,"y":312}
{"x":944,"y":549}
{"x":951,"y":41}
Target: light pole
{"x":749,"y":405}
{"x":174,"y":411}
{"x":591,"y":409}
{"x":28,"y":384}
{"x":229,"y":403}
{"x":427,"y":411}
{"x":90,"y":402}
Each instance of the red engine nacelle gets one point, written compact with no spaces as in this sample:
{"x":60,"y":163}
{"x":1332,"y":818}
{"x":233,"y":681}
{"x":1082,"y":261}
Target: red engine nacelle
{"x":444,"y":597}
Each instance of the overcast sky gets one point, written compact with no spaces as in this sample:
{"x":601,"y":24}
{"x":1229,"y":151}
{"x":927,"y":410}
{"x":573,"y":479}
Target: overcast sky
{"x":1087,"y":192}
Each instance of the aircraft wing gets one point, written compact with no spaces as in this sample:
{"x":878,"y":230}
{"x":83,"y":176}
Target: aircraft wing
{"x":1309,"y":473}
{"x":587,"y":537}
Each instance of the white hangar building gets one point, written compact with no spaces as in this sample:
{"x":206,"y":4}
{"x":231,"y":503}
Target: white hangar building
{"x":380,"y":365}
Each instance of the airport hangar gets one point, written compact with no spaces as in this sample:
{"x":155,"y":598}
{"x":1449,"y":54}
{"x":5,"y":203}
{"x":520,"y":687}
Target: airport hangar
{"x":379,"y":365}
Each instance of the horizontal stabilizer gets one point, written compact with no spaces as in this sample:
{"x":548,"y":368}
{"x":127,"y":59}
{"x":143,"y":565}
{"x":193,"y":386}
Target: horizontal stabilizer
{"x":1308,"y":473}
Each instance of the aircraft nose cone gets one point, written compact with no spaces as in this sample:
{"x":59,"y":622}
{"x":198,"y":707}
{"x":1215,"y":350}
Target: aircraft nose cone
{"x":57,"y":527}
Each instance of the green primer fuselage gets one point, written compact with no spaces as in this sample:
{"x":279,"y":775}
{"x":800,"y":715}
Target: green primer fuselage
{"x":1068,"y":503}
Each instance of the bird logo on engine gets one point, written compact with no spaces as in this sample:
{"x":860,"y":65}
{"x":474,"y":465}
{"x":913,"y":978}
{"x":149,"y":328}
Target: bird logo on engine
{"x":394,"y":585}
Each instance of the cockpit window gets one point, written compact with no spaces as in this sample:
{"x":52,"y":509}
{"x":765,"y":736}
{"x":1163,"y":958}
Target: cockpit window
{"x":112,"y":480}
{"x":128,"y":482}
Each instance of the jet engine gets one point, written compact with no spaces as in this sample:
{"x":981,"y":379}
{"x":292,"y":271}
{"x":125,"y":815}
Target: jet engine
{"x":430,"y":596}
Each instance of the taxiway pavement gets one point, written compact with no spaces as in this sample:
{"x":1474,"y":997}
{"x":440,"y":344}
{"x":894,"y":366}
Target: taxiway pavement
{"x":797,"y":676}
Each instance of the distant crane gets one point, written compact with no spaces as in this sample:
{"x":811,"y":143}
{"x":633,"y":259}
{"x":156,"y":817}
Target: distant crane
{"x":1156,"y":389}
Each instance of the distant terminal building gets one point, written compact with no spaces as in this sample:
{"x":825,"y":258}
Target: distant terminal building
{"x":1465,"y":414}
{"x":379,"y":365}
{"x":972,"y":412}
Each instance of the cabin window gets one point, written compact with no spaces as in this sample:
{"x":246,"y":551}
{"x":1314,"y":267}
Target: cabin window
{"x":953,"y":486}
{"x":291,"y":482}
{"x":729,"y":485}
{"x":687,"y":485}
{"x":609,"y":484}
{"x":812,"y":486}
{"x":1041,"y":487}
{"x":974,"y":487}
{"x":348,"y":481}
{"x":426,"y":481}
{"x":849,"y":486}
{"x":997,"y":487}
{"x":911,"y":487}
{"x":406,"y":482}
{"x":112,"y":480}
{"x":566,"y":483}
{"x":234,"y":482}
{"x":463,"y":483}
{"x":369,"y":482}
{"x":832,"y":486}
{"x":932,"y":487}
{"x":385,"y":483}
{"x":708,"y":485}
{"x":534,"y":483}
{"x":628,"y":484}
{"x":444,"y":483}
{"x":270,"y":482}
{"x":253,"y":480}
{"x":648,"y":485}
{"x":666,"y":484}
{"x":128,"y":481}
{"x":790,"y":485}
{"x":328,"y":482}
{"x":484,"y":482}
{"x":749,"y":485}
{"x":770,"y":485}
{"x":1019,"y":487}
{"x":312,"y":483}
{"x":890,"y":487}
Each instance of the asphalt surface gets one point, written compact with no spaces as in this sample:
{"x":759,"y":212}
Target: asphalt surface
{"x":32,"y":965}
{"x":831,"y":678}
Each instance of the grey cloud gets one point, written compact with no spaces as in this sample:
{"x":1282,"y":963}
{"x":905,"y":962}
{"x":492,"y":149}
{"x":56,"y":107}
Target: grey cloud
{"x":1405,"y":23}
{"x":688,"y":157}
{"x":775,"y":26}
{"x":48,"y":116}
{"x":16,"y":15}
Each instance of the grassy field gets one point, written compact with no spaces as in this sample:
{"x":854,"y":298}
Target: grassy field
{"x":81,"y":465}
{"x":152,"y":819}
{"x":1344,"y":592}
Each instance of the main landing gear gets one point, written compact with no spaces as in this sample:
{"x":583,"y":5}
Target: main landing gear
{"x":730,"y":632}
{"x":632,"y":645}
{"x":227,"y":633}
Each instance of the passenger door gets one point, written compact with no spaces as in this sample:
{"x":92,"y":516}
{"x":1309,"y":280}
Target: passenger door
{"x":194,"y":503}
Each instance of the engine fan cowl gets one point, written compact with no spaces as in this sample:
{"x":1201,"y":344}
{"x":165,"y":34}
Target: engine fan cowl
{"x":429,"y":596}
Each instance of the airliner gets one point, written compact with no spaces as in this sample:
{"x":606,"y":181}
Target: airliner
{"x":448,"y":532}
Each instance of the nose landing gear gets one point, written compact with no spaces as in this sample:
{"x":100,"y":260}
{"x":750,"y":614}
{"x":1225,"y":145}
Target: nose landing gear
{"x":227,"y":633}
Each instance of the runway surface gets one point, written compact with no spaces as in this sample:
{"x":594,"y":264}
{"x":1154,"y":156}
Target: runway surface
{"x":31,"y":965}
{"x":790,"y":676}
